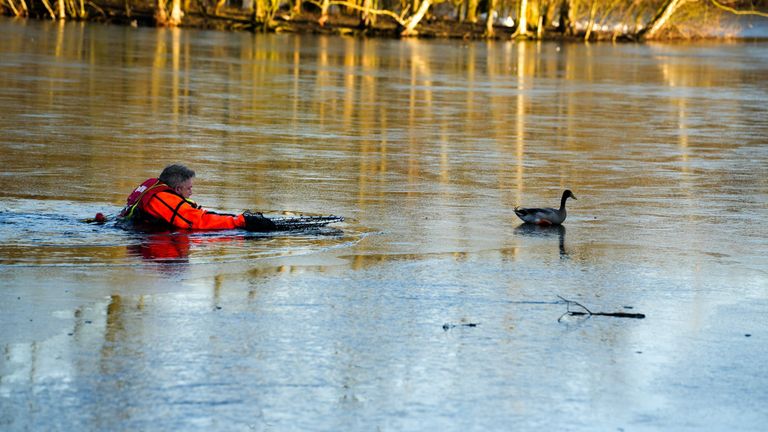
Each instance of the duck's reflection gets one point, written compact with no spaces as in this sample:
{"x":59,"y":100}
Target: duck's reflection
{"x":534,"y":230}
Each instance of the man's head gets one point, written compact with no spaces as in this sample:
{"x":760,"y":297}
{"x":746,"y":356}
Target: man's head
{"x":178,"y":178}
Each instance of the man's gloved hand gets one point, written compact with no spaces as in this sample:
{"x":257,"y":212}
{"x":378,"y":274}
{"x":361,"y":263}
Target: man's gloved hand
{"x":257,"y":222}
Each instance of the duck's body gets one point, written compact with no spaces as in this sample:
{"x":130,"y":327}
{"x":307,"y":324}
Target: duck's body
{"x":545,"y":216}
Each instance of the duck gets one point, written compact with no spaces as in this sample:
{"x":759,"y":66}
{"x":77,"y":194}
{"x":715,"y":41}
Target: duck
{"x":545,"y":216}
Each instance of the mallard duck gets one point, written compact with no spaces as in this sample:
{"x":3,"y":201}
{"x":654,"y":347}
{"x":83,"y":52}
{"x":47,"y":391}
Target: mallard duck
{"x":545,"y":216}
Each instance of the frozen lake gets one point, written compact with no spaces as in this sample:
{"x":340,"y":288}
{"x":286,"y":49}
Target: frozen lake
{"x":431,"y":307}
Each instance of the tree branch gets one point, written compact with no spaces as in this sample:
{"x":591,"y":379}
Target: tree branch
{"x":589,"y":313}
{"x":98,"y":9}
{"x":370,"y":11}
{"x":569,"y":302}
{"x":738,"y":12}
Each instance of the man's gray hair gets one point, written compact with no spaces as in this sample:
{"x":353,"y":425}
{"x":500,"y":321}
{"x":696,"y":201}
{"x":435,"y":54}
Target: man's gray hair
{"x":174,"y":175}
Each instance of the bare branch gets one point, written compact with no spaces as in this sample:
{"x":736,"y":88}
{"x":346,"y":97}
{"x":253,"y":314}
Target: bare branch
{"x":663,"y":14}
{"x":370,"y":11}
{"x":100,"y":10}
{"x":589,"y":313}
{"x":50,"y":9}
{"x":739,"y":12}
{"x":568,"y":303}
{"x":13,"y":7}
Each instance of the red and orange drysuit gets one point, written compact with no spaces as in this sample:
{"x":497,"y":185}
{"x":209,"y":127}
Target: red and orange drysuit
{"x":156,"y":205}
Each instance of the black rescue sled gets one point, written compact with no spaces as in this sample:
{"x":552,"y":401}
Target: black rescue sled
{"x":292,"y":223}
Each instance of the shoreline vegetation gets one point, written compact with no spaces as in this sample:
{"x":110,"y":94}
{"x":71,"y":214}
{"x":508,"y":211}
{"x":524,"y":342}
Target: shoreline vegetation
{"x":588,"y":20}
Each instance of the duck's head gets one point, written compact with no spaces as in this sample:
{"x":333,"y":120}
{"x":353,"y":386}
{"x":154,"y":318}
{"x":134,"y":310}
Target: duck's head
{"x":568,"y":194}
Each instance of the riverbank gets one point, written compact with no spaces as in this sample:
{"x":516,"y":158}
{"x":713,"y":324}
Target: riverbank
{"x":232,"y":19}
{"x":434,"y":21}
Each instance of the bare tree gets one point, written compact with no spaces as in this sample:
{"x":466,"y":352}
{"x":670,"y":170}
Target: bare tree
{"x":660,"y":19}
{"x":640,"y":19}
{"x":413,"y":21}
{"x":489,"y":32}
{"x":161,"y":14}
{"x":738,"y":12}
{"x":522,"y":19}
{"x":176,"y":13}
{"x":472,"y":10}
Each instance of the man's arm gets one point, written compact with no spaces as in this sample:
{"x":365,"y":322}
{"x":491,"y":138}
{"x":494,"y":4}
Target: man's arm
{"x":181,"y":214}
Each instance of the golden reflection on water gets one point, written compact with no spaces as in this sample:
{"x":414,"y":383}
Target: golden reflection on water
{"x":371,"y":126}
{"x":520,"y":122}
{"x":350,"y":64}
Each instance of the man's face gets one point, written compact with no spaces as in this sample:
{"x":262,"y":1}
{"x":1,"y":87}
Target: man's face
{"x":185,"y":189}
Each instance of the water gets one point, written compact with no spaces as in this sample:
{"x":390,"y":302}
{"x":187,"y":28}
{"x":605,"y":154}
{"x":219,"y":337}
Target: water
{"x":426,"y":147}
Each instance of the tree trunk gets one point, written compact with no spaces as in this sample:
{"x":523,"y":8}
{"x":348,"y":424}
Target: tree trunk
{"x":543,"y":17}
{"x":161,"y":16}
{"x":660,"y":19}
{"x":540,"y":27}
{"x":219,"y":5}
{"x":24,"y":9}
{"x":413,"y":21}
{"x":323,"y":13}
{"x":62,"y":12}
{"x":591,"y":22}
{"x":564,"y":21}
{"x":489,"y":32}
{"x":472,"y":10}
{"x":13,"y":8}
{"x":176,"y":14}
{"x":260,"y":12}
{"x":365,"y":16}
{"x":49,"y":8}
{"x":522,"y":19}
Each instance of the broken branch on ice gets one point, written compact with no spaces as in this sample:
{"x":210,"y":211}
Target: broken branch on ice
{"x":588,"y":312}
